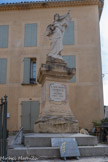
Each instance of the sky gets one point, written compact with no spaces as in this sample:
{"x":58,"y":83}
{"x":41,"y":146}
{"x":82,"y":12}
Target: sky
{"x":104,"y":44}
{"x":7,"y":1}
{"x":104,"y":49}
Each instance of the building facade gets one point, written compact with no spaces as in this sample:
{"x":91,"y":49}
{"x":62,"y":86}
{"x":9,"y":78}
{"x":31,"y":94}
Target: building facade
{"x":24,"y":47}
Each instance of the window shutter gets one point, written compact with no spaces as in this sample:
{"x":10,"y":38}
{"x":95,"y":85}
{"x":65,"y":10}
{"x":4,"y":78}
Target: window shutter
{"x":26,"y":70}
{"x":68,"y":38}
{"x":25,"y":115}
{"x":30,"y":38}
{"x":35,"y":110}
{"x":4,"y":36}
{"x":71,"y":62}
{"x":3,"y":70}
{"x":29,"y":115}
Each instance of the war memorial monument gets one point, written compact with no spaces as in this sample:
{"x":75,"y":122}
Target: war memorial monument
{"x":49,"y":104}
{"x":56,"y":116}
{"x":56,"y":130}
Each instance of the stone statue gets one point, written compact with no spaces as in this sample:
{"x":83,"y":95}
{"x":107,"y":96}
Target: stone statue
{"x":55,"y":32}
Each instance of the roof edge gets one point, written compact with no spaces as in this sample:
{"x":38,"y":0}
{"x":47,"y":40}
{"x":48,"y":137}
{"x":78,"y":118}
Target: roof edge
{"x":50,"y":4}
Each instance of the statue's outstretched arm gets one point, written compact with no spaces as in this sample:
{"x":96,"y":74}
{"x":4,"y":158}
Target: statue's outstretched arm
{"x":64,"y":16}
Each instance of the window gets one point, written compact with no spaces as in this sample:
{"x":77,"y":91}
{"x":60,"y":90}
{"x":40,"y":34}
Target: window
{"x":3,"y":70}
{"x":4,"y":36}
{"x":30,"y":35}
{"x":29,"y":70}
{"x":68,"y":38}
{"x":32,"y":70}
{"x":71,"y":62}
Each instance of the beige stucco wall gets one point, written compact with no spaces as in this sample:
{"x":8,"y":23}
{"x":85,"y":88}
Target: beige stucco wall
{"x":86,"y":95}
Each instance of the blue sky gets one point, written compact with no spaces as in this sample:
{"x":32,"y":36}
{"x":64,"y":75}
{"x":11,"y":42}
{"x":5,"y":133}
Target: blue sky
{"x":104,"y":49}
{"x":104,"y":44}
{"x":7,"y":1}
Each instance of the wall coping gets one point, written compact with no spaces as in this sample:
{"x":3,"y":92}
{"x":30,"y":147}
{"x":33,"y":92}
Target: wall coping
{"x":51,"y":4}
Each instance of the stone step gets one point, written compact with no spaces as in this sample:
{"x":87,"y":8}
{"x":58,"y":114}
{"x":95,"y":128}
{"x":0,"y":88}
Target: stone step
{"x":53,"y":152}
{"x":44,"y":140}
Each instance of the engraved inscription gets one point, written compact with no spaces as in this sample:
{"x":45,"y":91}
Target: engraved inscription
{"x":63,"y":147}
{"x":68,"y":146}
{"x":57,"y":92}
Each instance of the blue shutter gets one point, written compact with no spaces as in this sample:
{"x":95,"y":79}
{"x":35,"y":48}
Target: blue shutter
{"x":3,"y":70}
{"x":4,"y":36}
{"x":26,"y":70}
{"x":30,"y":114}
{"x":71,"y":62}
{"x":25,"y":115}
{"x":30,"y":37}
{"x":68,"y":38}
{"x":35,"y":110}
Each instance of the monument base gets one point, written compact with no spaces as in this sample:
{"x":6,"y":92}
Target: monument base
{"x":56,"y":115}
{"x":57,"y":125}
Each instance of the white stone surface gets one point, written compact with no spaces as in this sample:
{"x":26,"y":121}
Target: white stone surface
{"x":56,"y":135}
{"x":55,"y":32}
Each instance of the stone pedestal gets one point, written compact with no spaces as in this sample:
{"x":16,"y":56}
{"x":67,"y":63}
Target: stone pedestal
{"x":56,"y":115}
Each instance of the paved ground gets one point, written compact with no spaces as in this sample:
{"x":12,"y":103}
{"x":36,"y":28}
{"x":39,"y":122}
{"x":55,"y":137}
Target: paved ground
{"x":88,"y":159}
{"x":94,"y":159}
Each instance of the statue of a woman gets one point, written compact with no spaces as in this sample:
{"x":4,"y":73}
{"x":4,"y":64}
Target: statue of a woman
{"x":55,"y":32}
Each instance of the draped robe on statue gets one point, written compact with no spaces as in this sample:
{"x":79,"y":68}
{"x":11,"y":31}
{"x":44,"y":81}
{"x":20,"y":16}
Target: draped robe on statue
{"x":55,"y":31}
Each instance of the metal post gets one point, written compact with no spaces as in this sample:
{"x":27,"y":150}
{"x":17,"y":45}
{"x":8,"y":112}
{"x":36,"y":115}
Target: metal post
{"x":1,"y":100}
{"x":1,"y":127}
{"x":5,"y":128}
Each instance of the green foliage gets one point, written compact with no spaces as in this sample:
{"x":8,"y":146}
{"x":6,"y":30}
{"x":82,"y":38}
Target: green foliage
{"x":105,"y":120}
{"x":96,"y":123}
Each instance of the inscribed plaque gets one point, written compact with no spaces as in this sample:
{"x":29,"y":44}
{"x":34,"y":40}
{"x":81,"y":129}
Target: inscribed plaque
{"x":57,"y":92}
{"x":68,"y":146}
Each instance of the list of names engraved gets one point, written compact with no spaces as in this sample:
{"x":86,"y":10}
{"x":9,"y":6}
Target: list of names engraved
{"x":57,"y":92}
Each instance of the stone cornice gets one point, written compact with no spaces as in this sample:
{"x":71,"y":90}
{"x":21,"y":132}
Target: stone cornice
{"x":50,"y":4}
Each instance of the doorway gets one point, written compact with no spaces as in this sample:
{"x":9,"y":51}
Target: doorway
{"x":29,"y":114}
